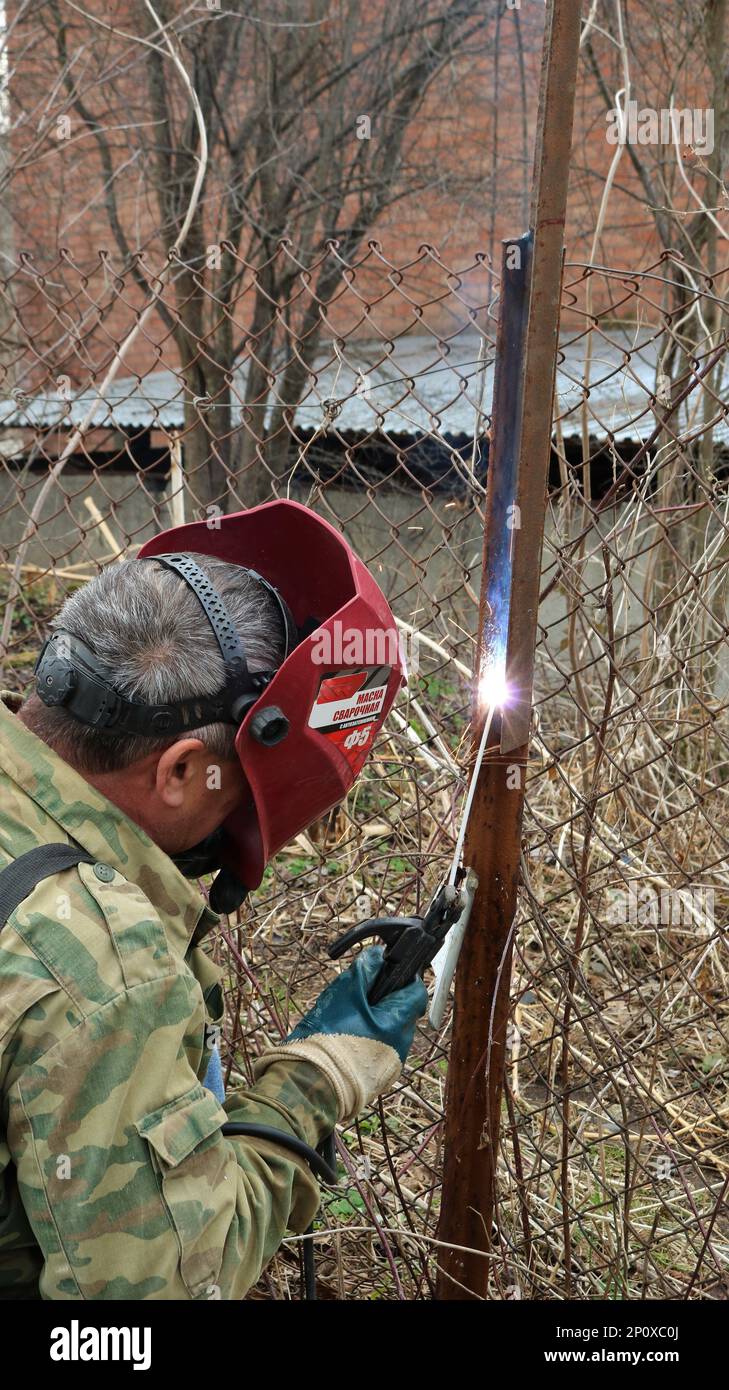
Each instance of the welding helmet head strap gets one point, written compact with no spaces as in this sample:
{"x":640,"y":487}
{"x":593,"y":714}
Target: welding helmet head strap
{"x":69,"y":673}
{"x":242,"y":687}
{"x":226,"y":636}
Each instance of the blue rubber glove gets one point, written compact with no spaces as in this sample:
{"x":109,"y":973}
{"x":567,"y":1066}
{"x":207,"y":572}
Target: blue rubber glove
{"x":359,"y":1047}
{"x":343,"y":1008}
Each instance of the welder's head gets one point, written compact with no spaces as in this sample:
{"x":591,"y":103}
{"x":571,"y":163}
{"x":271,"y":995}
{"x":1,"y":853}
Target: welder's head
{"x":154,"y":644}
{"x":232,"y":678}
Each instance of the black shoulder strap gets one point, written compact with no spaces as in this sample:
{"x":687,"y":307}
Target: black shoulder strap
{"x":20,"y":878}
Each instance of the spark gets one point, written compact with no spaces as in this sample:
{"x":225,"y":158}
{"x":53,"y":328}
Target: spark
{"x":493,"y":692}
{"x":493,"y":688}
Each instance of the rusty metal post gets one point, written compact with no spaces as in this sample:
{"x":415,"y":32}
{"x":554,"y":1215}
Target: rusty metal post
{"x":518,"y":470}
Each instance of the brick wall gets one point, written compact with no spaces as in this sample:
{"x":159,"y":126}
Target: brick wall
{"x":469,"y":139}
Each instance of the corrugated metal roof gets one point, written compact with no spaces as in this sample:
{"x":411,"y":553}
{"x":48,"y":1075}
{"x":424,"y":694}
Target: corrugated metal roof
{"x":414,"y":386}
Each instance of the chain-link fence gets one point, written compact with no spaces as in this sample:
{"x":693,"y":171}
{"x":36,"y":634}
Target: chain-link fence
{"x":370,"y":403}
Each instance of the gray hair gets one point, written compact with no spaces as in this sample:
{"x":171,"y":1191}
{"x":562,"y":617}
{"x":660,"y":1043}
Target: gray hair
{"x":148,"y":626}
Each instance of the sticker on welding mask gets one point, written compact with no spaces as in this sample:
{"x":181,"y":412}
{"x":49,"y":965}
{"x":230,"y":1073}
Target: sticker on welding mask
{"x":347,"y":709}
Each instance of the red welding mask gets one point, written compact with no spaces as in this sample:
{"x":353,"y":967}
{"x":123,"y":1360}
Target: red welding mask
{"x":305,"y":735}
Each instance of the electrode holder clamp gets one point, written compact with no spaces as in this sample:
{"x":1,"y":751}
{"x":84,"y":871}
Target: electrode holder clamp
{"x":411,"y":943}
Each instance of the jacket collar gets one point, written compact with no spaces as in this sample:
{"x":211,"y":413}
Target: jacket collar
{"x":101,"y":828}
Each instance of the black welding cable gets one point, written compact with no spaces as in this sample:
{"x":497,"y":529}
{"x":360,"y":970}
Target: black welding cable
{"x":308,"y":1266}
{"x":315,"y":1161}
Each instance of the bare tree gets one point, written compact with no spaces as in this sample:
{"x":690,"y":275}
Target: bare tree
{"x":669,"y":59}
{"x":308,"y":123}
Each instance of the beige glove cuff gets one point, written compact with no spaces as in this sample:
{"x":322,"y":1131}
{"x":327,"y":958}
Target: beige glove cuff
{"x":357,"y":1068}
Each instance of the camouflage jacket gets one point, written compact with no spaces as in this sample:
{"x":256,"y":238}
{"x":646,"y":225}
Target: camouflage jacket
{"x":115,"y":1180}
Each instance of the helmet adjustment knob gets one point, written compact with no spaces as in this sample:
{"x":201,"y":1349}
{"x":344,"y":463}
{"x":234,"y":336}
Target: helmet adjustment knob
{"x":269,"y":725}
{"x":56,"y":678}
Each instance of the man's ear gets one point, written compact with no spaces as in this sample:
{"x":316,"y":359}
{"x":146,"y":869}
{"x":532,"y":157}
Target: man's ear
{"x":177,"y":770}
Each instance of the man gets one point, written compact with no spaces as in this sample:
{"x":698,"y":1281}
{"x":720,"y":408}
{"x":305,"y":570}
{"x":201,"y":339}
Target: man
{"x":182,"y":721}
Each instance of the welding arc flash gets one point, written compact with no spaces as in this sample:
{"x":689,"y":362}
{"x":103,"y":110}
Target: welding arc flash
{"x":492,"y":687}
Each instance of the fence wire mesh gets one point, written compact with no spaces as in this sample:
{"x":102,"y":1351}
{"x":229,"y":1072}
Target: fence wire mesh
{"x":362,"y":388}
